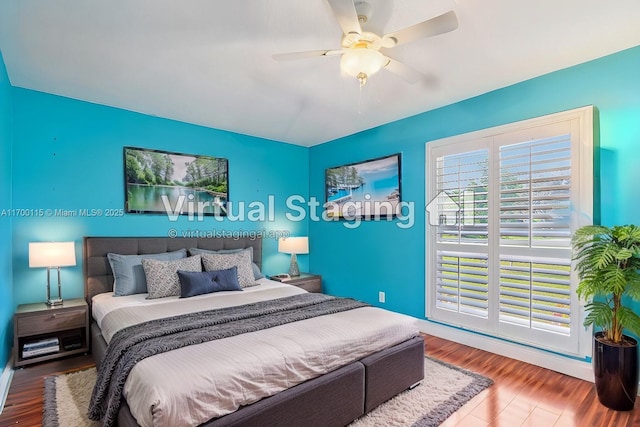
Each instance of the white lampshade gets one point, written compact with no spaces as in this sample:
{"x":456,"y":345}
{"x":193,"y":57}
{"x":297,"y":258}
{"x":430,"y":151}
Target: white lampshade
{"x":52,"y":254}
{"x":361,"y":60}
{"x":293,"y":245}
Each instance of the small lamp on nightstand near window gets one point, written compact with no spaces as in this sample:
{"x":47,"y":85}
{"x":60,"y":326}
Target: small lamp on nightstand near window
{"x":52,"y":255}
{"x":294,"y":246}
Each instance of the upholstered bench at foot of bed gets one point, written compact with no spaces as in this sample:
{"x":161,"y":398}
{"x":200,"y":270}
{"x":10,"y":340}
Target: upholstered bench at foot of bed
{"x":332,"y":400}
{"x":392,"y":371}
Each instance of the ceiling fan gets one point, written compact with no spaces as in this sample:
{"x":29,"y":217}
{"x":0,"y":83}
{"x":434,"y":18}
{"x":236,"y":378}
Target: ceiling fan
{"x":362,"y":51}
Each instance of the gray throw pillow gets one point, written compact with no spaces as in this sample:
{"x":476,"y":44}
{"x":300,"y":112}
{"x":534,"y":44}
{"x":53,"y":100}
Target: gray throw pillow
{"x":257,"y":274}
{"x":241,"y":260}
{"x":162,"y":276}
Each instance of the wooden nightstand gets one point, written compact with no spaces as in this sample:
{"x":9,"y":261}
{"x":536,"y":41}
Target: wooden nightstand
{"x":306,"y":281}
{"x":33,"y":323}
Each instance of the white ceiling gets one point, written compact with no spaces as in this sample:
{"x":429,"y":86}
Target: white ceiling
{"x":208,"y":62}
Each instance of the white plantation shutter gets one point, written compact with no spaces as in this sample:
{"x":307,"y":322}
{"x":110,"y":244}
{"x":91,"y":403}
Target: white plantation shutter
{"x":535,"y":195}
{"x":536,"y":293}
{"x":502,"y":210}
{"x":462,"y":197}
{"x":461,"y":205}
{"x":535,"y":192}
{"x":462,"y":283}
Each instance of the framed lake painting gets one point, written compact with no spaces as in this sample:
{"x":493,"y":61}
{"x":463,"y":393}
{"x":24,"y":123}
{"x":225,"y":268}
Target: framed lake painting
{"x":367,"y":190}
{"x":175,"y":184}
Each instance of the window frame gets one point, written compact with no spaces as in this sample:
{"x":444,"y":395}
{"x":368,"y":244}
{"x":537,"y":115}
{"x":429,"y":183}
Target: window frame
{"x":581,"y":125}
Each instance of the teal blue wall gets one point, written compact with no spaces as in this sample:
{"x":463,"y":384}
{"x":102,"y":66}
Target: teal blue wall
{"x":6,"y":275}
{"x":68,"y":155}
{"x":383,"y":257}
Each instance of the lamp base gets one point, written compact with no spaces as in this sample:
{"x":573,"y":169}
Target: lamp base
{"x":294,"y":271}
{"x":58,"y":301}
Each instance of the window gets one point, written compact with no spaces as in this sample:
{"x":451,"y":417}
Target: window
{"x":504,"y":204}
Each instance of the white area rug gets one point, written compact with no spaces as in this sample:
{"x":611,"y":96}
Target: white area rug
{"x":66,"y":399}
{"x":445,"y":389}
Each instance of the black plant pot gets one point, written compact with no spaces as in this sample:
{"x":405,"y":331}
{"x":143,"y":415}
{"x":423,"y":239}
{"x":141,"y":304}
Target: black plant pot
{"x":616,"y":373}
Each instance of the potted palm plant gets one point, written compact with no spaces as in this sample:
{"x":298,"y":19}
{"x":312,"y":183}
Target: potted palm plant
{"x":608,"y":259}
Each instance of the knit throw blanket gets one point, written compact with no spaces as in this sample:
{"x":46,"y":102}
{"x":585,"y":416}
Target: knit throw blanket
{"x":137,"y":342}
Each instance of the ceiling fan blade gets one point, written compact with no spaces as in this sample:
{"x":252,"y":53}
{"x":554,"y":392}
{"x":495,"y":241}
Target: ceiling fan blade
{"x":302,"y":55}
{"x":407,"y":73}
{"x":431,"y":27}
{"x":346,"y":14}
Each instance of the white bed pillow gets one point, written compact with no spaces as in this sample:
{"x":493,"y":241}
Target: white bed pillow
{"x":242,"y":260}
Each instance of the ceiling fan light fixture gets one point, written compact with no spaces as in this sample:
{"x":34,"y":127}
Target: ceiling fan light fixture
{"x":361,"y":62}
{"x":361,"y":56}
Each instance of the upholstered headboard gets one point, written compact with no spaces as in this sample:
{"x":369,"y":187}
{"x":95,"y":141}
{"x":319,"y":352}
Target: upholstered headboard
{"x":98,"y":277}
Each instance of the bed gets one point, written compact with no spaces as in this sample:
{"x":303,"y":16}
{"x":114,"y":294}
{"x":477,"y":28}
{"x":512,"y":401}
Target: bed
{"x":321,"y":371}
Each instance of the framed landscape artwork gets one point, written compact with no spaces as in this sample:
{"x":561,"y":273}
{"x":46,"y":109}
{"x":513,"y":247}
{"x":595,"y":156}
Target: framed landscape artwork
{"x":175,"y":184}
{"x":368,"y":190}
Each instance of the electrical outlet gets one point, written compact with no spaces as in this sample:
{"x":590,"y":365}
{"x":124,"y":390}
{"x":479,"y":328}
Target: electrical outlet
{"x":381,"y":297}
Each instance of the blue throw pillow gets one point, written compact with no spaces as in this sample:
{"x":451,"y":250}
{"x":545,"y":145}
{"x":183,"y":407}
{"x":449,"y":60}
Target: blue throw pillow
{"x":128,"y":274}
{"x":206,"y":282}
{"x":228,"y":279}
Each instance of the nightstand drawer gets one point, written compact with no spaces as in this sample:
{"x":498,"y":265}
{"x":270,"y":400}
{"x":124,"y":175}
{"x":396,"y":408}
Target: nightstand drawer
{"x":310,"y":285}
{"x":51,"y":321}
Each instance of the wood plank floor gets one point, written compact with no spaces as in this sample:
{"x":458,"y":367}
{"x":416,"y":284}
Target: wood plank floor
{"x":24,"y":402}
{"x":523,"y":394}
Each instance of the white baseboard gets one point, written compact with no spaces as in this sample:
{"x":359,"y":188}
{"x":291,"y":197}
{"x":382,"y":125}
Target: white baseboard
{"x":5,"y":383}
{"x":565,"y":365}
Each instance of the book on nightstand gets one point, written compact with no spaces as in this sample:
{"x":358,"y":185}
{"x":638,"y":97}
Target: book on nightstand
{"x":40,"y":347}
{"x":46,"y":342}
{"x":280,"y":277}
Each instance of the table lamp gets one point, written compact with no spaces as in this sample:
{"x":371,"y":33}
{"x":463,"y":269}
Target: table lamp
{"x":294,"y":246}
{"x":52,"y":255}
